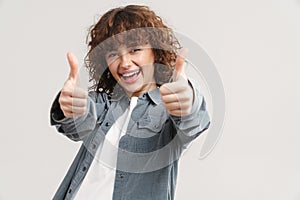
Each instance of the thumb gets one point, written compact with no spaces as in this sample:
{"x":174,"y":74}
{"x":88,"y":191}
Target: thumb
{"x":73,"y":62}
{"x":179,"y":67}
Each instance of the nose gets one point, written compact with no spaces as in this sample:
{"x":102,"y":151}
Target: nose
{"x":125,"y":60}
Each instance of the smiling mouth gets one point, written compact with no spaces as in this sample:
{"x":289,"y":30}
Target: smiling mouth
{"x":130,"y":75}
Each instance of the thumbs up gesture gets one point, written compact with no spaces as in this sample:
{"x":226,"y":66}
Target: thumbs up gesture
{"x":178,"y":95}
{"x":73,"y":99}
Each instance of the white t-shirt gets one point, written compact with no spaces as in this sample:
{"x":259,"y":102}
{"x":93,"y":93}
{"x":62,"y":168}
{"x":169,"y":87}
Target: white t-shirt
{"x":99,"y":180}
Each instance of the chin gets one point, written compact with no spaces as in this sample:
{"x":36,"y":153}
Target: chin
{"x":132,"y":90}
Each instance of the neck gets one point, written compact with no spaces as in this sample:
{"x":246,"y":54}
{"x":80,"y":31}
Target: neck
{"x":144,"y":89}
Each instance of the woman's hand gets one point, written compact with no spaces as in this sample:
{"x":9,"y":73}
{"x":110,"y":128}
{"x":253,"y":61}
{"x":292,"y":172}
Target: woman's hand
{"x":73,"y":99}
{"x":178,"y":96}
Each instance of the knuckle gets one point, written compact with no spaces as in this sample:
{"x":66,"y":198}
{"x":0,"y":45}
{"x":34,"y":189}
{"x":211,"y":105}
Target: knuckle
{"x":65,"y":110}
{"x":66,"y":114}
{"x":64,"y":92}
{"x":60,"y":100}
{"x":85,"y":94}
{"x":63,"y":101}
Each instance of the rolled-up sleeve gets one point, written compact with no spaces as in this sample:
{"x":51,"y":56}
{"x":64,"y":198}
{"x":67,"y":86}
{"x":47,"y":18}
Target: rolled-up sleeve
{"x":192,"y":125}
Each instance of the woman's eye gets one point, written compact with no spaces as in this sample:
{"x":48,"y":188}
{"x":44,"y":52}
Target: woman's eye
{"x":112,"y":55}
{"x":133,"y":50}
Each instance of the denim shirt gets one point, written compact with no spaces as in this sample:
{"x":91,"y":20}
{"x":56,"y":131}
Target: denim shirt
{"x":147,"y":161}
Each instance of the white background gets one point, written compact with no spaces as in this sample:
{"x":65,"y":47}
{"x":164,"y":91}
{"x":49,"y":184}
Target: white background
{"x":255,"y":46}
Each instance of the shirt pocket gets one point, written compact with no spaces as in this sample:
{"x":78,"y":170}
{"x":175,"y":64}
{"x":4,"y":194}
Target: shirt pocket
{"x":151,"y":123}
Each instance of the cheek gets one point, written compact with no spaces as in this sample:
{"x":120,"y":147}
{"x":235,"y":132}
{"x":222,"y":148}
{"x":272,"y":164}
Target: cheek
{"x":113,"y":71}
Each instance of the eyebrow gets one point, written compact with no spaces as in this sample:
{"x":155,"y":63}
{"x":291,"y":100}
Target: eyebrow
{"x":132,"y":45}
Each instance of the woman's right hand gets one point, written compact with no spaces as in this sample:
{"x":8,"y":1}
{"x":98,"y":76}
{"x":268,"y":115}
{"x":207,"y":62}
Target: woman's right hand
{"x":73,"y":99}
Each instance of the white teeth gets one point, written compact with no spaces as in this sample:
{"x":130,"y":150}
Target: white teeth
{"x":130,"y":74}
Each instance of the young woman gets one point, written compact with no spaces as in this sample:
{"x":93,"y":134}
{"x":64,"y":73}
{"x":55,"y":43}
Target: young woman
{"x":139,"y":115}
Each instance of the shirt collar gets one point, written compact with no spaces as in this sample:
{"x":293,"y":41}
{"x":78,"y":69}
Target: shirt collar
{"x":154,"y":95}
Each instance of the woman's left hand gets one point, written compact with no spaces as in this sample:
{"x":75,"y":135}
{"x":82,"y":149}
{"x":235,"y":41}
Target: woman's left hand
{"x":178,"y":96}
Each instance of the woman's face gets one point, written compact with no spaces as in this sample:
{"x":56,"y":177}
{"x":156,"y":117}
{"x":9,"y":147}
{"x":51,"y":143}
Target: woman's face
{"x":133,"y":68}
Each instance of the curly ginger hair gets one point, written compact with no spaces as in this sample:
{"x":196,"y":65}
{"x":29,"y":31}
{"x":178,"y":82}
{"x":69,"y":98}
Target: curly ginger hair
{"x":132,"y":24}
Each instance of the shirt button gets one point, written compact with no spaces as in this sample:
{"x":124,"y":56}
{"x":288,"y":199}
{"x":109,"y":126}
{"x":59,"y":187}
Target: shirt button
{"x":84,"y":168}
{"x":70,"y":190}
{"x":121,"y":175}
{"x":94,"y":146}
{"x":107,"y":124}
